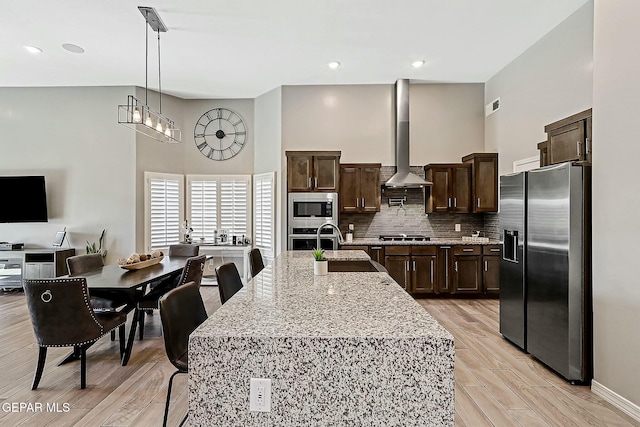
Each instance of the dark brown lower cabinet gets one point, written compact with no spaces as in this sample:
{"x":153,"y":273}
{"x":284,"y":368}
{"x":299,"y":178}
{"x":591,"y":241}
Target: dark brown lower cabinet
{"x":398,"y":268}
{"x":423,"y":266}
{"x":467,"y":269}
{"x":472,"y":270}
{"x":491,"y":269}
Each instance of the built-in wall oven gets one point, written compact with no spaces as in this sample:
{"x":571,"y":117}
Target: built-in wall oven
{"x":306,"y":239}
{"x":307,"y":212}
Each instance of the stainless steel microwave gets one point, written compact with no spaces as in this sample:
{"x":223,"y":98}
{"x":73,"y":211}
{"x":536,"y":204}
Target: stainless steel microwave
{"x":316,"y":208}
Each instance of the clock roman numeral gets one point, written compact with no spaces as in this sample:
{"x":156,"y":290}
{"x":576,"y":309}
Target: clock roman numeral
{"x":202,"y":145}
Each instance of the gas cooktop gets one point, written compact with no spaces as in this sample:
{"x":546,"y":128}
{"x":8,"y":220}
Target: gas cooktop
{"x":404,"y":237}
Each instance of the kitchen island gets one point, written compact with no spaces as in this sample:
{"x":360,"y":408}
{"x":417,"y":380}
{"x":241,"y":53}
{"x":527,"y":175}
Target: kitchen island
{"x":348,"y":348}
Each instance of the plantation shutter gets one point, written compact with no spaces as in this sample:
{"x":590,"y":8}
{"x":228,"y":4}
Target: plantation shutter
{"x":219,"y":202}
{"x":264,"y":213}
{"x":234,"y":205}
{"x":203,"y":208}
{"x":163,"y":202}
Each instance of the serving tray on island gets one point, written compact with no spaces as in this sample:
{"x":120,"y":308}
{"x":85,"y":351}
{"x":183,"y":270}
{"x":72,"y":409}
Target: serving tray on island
{"x":142,"y":264}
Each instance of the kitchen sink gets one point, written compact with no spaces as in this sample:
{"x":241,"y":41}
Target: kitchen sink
{"x":355,"y":266}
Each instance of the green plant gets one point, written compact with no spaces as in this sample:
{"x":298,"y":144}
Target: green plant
{"x":318,"y":254}
{"x":92,"y":249}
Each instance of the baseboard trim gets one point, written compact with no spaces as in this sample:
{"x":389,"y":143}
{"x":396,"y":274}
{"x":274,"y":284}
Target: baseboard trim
{"x":616,"y":400}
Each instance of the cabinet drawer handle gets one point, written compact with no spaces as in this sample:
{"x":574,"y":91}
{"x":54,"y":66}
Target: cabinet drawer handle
{"x":455,"y":202}
{"x":478,"y":203}
{"x":486,"y":266}
{"x":316,"y":186}
{"x":456,"y":266}
{"x":495,"y":250}
{"x":309,"y":185}
{"x":414,"y":266}
{"x":406,"y":266}
{"x":449,"y":203}
{"x":578,"y":148}
{"x":376,"y":248}
{"x":363,"y":202}
{"x":467,"y":250}
{"x":357,"y":206}
{"x":445,"y":247}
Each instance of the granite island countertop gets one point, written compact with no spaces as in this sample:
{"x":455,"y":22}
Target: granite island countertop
{"x":347,"y":347}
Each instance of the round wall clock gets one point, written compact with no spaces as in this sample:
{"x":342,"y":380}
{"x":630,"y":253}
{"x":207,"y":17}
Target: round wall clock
{"x":220,"y":134}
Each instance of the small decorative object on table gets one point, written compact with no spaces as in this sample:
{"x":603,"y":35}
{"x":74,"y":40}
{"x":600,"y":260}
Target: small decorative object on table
{"x":138,"y":261}
{"x":320,"y":265}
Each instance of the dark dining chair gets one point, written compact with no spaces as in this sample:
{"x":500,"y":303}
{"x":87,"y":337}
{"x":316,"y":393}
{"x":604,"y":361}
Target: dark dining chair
{"x":229,"y":282}
{"x":181,"y":312}
{"x":192,"y":272}
{"x":62,"y":316}
{"x":184,"y":249}
{"x":256,"y":264}
{"x":101,"y":300}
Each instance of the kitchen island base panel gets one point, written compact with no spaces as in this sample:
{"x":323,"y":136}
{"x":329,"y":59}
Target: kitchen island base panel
{"x":323,"y":381}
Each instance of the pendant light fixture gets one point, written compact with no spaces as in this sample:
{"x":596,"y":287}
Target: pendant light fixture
{"x":138,"y":115}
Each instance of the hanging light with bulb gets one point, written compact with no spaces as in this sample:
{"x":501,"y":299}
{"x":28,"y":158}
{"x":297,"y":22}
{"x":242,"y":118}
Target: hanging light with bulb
{"x":155,"y":125}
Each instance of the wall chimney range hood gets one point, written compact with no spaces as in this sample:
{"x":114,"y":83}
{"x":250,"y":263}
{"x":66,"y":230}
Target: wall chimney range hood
{"x":403,"y":178}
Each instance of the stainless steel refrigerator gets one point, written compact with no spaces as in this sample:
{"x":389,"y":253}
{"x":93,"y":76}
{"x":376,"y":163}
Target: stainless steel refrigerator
{"x":545,"y":271}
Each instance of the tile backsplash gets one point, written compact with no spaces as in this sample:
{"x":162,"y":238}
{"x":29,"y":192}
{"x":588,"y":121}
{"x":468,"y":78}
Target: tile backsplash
{"x":411,"y":218}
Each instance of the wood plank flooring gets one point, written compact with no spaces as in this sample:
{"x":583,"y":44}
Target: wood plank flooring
{"x":496,"y":384}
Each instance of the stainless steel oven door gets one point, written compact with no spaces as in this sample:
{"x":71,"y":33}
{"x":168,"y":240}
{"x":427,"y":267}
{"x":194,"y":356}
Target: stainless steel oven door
{"x":308,"y":242}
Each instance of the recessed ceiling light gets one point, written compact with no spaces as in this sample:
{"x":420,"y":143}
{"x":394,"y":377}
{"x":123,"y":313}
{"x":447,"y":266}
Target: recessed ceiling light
{"x":33,"y":49}
{"x":333,"y":65}
{"x":417,"y":64}
{"x":73,"y":48}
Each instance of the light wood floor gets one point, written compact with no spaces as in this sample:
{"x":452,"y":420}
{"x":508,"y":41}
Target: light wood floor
{"x":496,"y":384}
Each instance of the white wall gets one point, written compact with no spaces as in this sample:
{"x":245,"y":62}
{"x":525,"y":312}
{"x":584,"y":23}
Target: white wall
{"x":616,"y":200}
{"x":267,"y":156}
{"x":71,"y":136}
{"x":446,"y":122}
{"x":551,"y":80}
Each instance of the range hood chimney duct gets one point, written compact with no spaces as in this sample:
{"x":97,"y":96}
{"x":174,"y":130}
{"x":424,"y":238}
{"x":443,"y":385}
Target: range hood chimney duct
{"x":403,"y":178}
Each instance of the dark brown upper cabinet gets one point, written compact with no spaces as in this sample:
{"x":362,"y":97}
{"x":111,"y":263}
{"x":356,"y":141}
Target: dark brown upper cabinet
{"x":451,"y":190}
{"x":484,"y":181}
{"x":360,"y":187}
{"x":309,"y":171}
{"x":568,"y":139}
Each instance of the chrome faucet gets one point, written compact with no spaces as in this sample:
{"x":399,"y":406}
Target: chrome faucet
{"x":340,"y":238}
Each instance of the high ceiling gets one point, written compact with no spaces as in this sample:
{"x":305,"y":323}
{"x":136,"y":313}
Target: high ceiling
{"x":244,"y":48}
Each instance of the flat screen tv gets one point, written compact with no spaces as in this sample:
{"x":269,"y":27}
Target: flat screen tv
{"x":24,"y":199}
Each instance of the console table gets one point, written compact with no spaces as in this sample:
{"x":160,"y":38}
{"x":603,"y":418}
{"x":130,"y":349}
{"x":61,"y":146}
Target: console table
{"x":32,"y":264}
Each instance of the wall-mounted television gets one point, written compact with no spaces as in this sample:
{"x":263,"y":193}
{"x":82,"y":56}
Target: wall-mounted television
{"x":24,"y":199}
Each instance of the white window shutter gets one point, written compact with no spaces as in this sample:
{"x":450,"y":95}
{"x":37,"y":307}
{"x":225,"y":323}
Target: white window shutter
{"x":219,"y":202}
{"x":264,"y":213}
{"x":234,"y":206}
{"x":203,"y":208}
{"x":163,"y":204}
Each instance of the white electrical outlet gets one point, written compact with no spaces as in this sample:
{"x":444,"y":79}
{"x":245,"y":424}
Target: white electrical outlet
{"x":260,"y":395}
{"x":457,"y":227}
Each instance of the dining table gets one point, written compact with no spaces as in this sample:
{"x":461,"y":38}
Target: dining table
{"x":130,"y":285}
